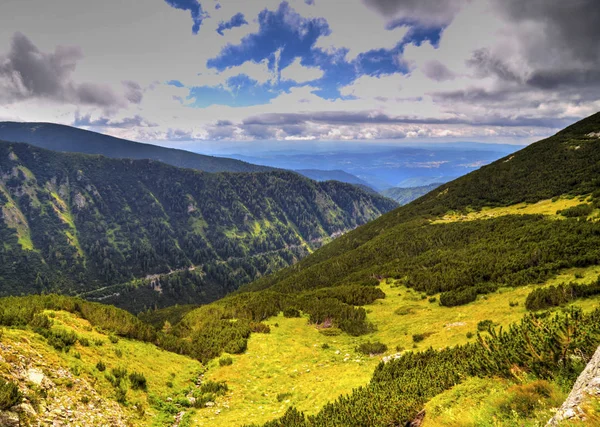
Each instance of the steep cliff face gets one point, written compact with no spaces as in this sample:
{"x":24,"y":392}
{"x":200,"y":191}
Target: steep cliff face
{"x":586,"y":387}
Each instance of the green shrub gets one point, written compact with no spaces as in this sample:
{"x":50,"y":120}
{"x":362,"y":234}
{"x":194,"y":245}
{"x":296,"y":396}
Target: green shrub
{"x":372,"y":348}
{"x":237,"y":346}
{"x":403,"y":311}
{"x":84,"y":342}
{"x":215,"y":387}
{"x":325,"y":346}
{"x":113,"y":339}
{"x":41,"y":321}
{"x":138,"y":381}
{"x":283,"y":396}
{"x":259,"y":328}
{"x":119,"y":373}
{"x":432,"y":299}
{"x":225,"y":361}
{"x":582,"y":210}
{"x":121,"y":395}
{"x":101,"y":366}
{"x":418,"y":337}
{"x":469,"y":335}
{"x":485,"y":325}
{"x":458,"y":297}
{"x":61,"y":339}
{"x":9,"y":395}
{"x":291,"y":312}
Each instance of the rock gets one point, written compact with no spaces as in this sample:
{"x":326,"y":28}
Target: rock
{"x":192,"y":400}
{"x":9,"y":419}
{"x":587,"y":384}
{"x":24,"y":408}
{"x":36,"y":376}
{"x":209,"y":404}
{"x":418,"y":420}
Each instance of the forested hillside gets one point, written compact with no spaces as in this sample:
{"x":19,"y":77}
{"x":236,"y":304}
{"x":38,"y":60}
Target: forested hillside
{"x":70,"y":139}
{"x":407,"y":195}
{"x":567,"y":163}
{"x":100,"y":227}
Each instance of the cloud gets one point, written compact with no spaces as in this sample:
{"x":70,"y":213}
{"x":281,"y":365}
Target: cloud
{"x":195,"y":9}
{"x":134,"y":92}
{"x":301,"y":74}
{"x":425,"y":11}
{"x":435,"y":70}
{"x":26,"y":72}
{"x":236,"y":20}
{"x":106,"y":122}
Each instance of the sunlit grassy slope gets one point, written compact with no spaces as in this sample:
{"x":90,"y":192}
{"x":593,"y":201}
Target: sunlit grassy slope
{"x":289,"y":366}
{"x":168,"y":374}
{"x":548,"y":207}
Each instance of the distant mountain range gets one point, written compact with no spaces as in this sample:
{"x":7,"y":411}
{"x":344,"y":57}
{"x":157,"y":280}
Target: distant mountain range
{"x":382,"y":167}
{"x":70,"y":139}
{"x":407,"y":195}
{"x":333,"y":175}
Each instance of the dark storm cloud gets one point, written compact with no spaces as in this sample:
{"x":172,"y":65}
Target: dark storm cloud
{"x":572,"y":28}
{"x":26,"y":72}
{"x":487,"y":65}
{"x":426,"y":11}
{"x":553,"y":79}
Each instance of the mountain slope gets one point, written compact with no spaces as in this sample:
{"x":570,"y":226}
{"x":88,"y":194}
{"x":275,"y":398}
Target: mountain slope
{"x":70,"y":139}
{"x":79,"y":223}
{"x":406,"y":195}
{"x":566,"y":163}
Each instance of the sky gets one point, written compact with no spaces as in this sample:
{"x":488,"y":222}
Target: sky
{"x":175,"y":71}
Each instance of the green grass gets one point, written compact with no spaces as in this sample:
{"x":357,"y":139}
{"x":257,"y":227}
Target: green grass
{"x":159,"y":367}
{"x":547,"y":207}
{"x":15,"y":219}
{"x":490,"y":402}
{"x":291,"y":359}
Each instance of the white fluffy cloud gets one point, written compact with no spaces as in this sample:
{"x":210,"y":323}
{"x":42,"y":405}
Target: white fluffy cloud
{"x":501,"y":70}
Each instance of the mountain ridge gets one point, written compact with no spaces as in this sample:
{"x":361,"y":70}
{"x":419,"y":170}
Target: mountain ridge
{"x":65,"y":138}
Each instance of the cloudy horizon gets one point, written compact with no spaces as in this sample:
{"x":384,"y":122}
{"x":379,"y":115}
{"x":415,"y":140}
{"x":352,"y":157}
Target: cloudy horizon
{"x":302,"y":70}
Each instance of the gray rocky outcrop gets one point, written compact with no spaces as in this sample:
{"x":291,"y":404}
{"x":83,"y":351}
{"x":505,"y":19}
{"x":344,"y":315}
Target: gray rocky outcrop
{"x":587,"y":385}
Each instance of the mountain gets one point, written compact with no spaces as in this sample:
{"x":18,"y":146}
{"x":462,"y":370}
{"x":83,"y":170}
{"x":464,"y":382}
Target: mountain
{"x":408,"y":194}
{"x":139,"y":233}
{"x":383,"y":165}
{"x":479,"y":253}
{"x":475,"y":304}
{"x":70,"y":139}
{"x":332,"y":175}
